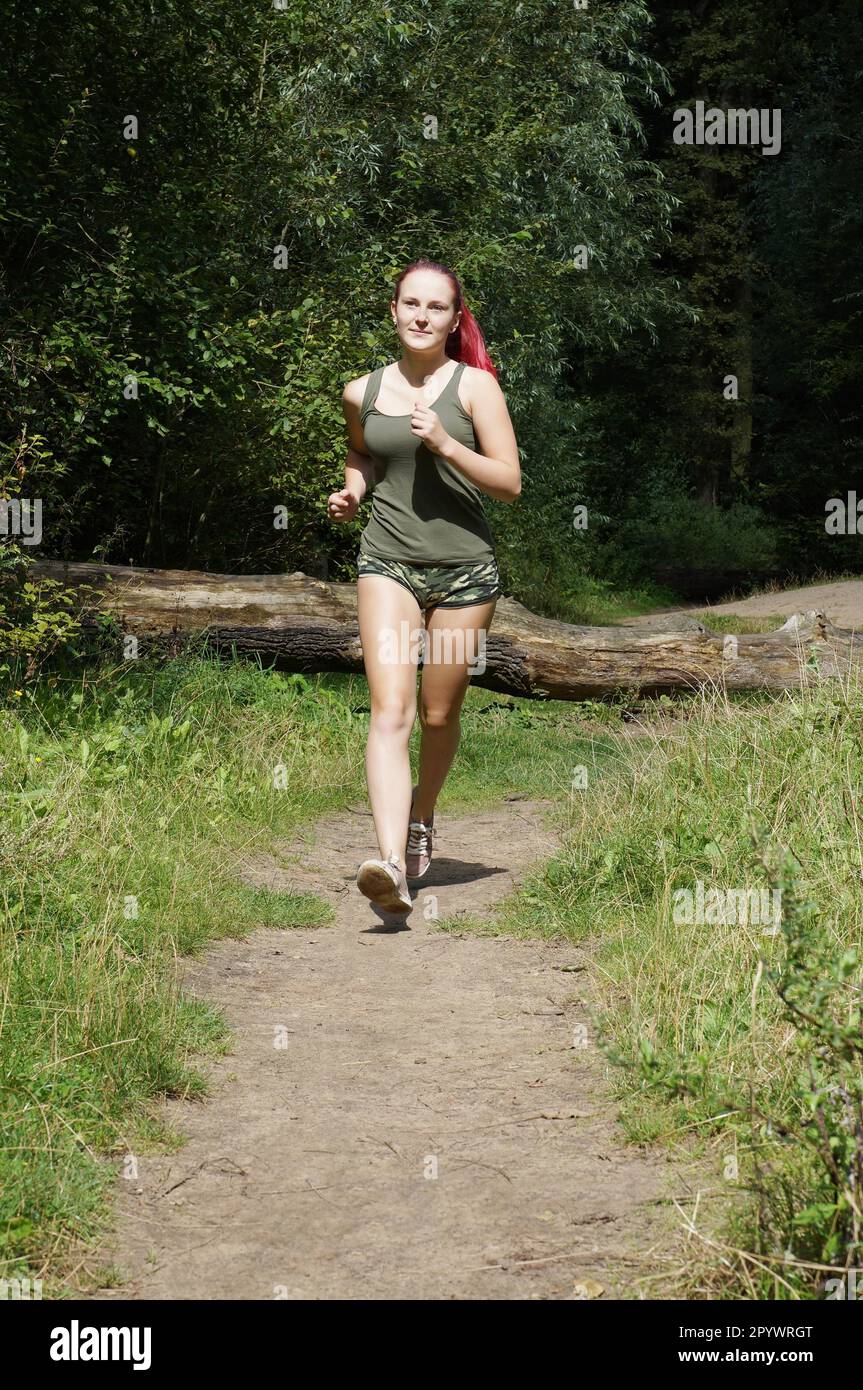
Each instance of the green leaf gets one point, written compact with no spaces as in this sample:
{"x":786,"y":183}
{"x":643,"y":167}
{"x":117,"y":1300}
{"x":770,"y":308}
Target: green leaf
{"x":816,"y":1215}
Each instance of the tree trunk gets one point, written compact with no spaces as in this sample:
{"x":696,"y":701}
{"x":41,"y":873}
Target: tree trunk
{"x":303,"y":624}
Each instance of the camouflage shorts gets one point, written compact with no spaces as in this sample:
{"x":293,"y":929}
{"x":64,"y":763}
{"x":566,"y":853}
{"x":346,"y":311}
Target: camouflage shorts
{"x":441,"y":586}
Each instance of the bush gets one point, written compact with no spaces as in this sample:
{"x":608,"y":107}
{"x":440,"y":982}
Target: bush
{"x":37,"y":616}
{"x":680,"y":530}
{"x":663,"y":526}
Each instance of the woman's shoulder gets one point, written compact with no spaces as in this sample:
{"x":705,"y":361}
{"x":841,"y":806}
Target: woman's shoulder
{"x":476,"y":385}
{"x":355,"y":390}
{"x":478,"y":377}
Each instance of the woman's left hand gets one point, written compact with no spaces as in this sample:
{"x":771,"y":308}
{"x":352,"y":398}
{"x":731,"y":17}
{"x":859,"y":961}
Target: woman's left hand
{"x":426,"y":425}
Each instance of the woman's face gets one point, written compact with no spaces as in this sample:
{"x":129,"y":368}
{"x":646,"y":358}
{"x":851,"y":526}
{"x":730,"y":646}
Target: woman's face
{"x":425,"y":314}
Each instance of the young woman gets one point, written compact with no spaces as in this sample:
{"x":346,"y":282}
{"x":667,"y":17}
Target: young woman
{"x":432,"y":430}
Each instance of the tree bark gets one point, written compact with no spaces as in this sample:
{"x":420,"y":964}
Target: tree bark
{"x":303,"y":624}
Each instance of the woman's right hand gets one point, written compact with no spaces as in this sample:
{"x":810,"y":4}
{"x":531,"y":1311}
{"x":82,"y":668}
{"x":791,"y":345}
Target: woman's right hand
{"x":342,"y":506}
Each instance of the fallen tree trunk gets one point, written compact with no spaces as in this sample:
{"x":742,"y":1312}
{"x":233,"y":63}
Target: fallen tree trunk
{"x":303,"y":624}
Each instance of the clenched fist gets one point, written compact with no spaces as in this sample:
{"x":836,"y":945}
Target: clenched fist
{"x":342,"y":506}
{"x":426,"y":424}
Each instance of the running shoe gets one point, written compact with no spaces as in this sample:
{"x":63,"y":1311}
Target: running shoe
{"x":418,"y":855}
{"x":384,"y":884}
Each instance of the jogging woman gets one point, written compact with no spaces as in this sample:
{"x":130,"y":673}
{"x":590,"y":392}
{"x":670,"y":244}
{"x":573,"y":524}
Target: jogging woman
{"x":432,"y":430}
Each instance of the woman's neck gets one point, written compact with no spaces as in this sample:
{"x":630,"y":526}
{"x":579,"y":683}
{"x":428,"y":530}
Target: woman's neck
{"x":418,"y":367}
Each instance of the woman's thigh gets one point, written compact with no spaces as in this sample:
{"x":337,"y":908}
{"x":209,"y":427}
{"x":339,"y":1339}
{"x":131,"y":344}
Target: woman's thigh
{"x":454,"y":647}
{"x":390,"y":625}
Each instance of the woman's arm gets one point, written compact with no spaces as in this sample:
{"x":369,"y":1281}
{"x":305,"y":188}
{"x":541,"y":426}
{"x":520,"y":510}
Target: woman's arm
{"x":359,"y":466}
{"x":359,"y":473}
{"x":496,"y":470}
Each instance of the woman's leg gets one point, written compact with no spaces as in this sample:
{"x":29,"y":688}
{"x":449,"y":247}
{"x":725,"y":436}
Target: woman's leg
{"x":445,"y":677}
{"x":389,"y":620}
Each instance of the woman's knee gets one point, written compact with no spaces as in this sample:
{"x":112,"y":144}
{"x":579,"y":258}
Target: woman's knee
{"x":439,"y":716}
{"x":393,"y":716}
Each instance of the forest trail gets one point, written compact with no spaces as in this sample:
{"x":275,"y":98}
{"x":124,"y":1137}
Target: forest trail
{"x":308,"y":1172}
{"x":842,"y":602}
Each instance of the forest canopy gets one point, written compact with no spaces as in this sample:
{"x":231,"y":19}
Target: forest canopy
{"x":205,"y":208}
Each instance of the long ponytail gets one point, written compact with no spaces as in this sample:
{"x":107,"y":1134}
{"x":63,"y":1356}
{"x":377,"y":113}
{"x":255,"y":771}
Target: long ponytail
{"x":465,"y":343}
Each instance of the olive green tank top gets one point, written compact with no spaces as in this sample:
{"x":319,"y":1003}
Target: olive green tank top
{"x":424,"y":511}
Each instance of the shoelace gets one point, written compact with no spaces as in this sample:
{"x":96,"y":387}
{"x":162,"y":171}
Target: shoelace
{"x":420,"y":836}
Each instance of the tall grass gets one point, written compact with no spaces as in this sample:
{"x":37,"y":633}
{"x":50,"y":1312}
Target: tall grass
{"x":746,"y":1033}
{"x":128,"y":803}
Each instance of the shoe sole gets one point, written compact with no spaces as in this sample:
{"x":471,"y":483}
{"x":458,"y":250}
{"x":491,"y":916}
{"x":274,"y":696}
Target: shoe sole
{"x":375,"y":884}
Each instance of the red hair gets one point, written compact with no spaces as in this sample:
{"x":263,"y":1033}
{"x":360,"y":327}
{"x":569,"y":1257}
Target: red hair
{"x":465,"y":343}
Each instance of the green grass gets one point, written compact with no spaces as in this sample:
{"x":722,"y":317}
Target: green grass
{"x":692,"y":1012}
{"x":585,"y":600}
{"x":738,"y":623}
{"x":130,"y":800}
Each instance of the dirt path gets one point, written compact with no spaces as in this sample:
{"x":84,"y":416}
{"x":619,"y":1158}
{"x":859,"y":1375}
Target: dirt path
{"x":841,"y":601}
{"x":307,"y":1174}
